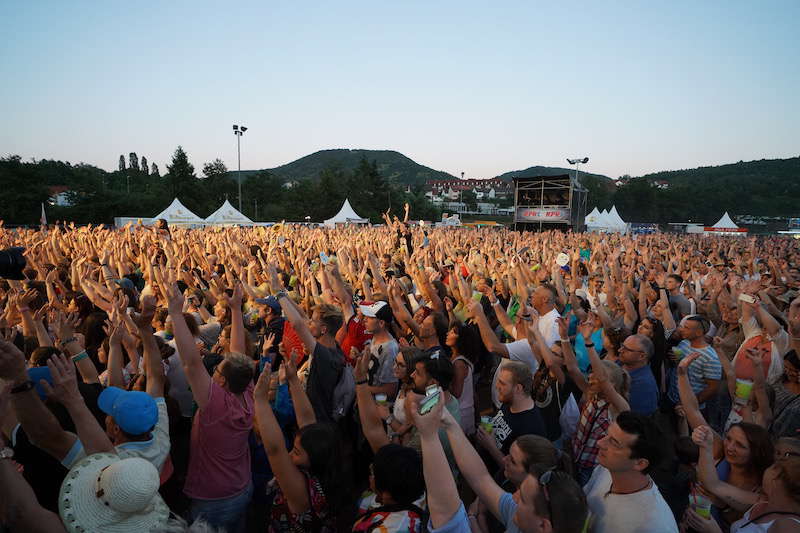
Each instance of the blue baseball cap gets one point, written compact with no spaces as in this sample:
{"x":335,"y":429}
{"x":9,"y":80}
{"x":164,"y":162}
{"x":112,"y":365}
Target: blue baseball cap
{"x":35,"y":373}
{"x":135,"y":412}
{"x":270,"y":301}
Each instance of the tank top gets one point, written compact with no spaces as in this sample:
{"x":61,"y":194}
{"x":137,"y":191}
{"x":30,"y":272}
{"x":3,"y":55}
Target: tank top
{"x":744,"y":525}
{"x":466,"y":402}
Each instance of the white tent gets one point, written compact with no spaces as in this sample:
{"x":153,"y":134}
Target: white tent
{"x":346,"y":215}
{"x":725,"y":222}
{"x":726,"y":226}
{"x":592,"y":218}
{"x":616,"y":220}
{"x":178,"y":215}
{"x":228,"y":215}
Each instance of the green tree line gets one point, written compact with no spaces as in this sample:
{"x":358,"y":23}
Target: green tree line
{"x":134,"y":190}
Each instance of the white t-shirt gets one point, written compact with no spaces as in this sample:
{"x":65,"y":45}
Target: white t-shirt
{"x":521,"y":350}
{"x":641,"y":512}
{"x":154,"y":450}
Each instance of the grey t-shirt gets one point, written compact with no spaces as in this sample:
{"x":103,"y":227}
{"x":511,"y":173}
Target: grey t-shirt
{"x":381,"y":364}
{"x":683,"y":306}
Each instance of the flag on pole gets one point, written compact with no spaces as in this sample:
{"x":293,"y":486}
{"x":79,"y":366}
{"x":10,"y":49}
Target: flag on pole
{"x":43,"y":218}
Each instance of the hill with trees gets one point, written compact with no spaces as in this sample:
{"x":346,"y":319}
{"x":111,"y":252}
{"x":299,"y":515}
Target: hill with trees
{"x":767,"y":188}
{"x":393,"y":166}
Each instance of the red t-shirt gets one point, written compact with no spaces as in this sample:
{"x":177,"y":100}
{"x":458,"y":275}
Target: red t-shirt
{"x":356,"y":337}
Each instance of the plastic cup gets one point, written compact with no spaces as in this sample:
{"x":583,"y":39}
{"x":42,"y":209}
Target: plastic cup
{"x":700,"y":505}
{"x":381,"y":399}
{"x":744,"y":387}
{"x":486,"y":424}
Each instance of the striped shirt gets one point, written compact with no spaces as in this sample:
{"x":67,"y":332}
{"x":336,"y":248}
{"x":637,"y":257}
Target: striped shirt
{"x":707,"y":366}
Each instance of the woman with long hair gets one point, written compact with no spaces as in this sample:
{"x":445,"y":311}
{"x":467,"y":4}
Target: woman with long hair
{"x":463,"y":341}
{"x":775,"y":508}
{"x":741,"y":456}
{"x":397,"y":422}
{"x":653,"y":329}
{"x":311,"y":487}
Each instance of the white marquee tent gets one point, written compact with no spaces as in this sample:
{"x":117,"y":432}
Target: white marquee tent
{"x":605,"y":221}
{"x":178,"y":215}
{"x":346,"y":215}
{"x":592,"y":218}
{"x":616,"y":220}
{"x":726,"y":226}
{"x":228,"y":215}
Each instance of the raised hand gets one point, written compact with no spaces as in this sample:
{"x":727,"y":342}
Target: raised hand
{"x":290,"y":369}
{"x":145,"y":318}
{"x":429,"y":423}
{"x":12,"y":361}
{"x":703,"y":436}
{"x":65,"y":385}
{"x":269,"y":342}
{"x":683,"y":366}
{"x":361,"y":367}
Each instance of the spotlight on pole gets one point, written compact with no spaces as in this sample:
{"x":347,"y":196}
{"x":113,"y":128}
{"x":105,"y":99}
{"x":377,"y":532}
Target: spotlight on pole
{"x":239,"y":131}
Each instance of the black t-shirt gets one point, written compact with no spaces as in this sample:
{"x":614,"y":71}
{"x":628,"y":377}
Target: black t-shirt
{"x":507,"y":426}
{"x":42,"y":472}
{"x":323,"y":376}
{"x":550,"y":397}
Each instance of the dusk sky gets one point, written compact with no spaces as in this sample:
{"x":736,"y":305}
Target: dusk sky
{"x":478,"y":87}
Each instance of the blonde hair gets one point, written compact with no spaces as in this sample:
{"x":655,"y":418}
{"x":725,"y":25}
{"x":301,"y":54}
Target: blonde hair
{"x":618,"y":377}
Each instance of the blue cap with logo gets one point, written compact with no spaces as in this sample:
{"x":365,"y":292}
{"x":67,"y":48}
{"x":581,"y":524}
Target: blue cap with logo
{"x":272,"y":302}
{"x":135,"y":412}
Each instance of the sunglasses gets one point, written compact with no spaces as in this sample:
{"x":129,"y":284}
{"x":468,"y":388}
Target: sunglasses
{"x":544,"y":480}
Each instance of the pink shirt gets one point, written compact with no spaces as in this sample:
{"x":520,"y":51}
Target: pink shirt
{"x":219,"y":458}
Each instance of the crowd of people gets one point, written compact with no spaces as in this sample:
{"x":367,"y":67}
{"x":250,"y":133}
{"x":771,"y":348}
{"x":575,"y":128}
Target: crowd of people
{"x":398,"y":378}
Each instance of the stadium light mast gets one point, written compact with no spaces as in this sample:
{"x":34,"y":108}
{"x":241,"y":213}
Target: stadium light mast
{"x":239,"y":131}
{"x":577,"y":162}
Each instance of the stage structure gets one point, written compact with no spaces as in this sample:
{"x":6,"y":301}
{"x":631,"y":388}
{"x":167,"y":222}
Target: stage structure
{"x":549,"y":202}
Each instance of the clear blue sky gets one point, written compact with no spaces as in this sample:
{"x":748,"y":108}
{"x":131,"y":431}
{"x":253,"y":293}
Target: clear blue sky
{"x":478,"y":87}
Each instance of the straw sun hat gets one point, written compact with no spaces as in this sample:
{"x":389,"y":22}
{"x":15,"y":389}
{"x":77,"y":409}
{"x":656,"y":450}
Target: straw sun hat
{"x":105,"y":493}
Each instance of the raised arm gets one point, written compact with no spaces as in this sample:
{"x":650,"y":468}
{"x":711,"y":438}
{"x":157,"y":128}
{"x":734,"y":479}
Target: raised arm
{"x":298,"y":322}
{"x":371,"y":423}
{"x":39,"y":423}
{"x":19,"y":508}
{"x":192,"y":362}
{"x":735,"y":497}
{"x":688,"y":398}
{"x":443,"y":500}
{"x":488,"y":336}
{"x":500,"y":313}
{"x":65,"y":390}
{"x":472,"y":466}
{"x":154,"y":369}
{"x":289,"y":478}
{"x":763,"y":415}
{"x":303,"y":410}
{"x":238,"y":342}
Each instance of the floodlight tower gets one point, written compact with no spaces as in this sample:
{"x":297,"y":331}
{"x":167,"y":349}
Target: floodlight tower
{"x":577,"y":162}
{"x":239,"y":131}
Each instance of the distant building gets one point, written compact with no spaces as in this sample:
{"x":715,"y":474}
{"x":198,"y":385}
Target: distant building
{"x":59,"y":196}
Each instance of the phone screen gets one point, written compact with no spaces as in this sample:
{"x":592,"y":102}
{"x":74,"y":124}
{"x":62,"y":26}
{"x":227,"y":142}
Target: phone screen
{"x":428,"y":403}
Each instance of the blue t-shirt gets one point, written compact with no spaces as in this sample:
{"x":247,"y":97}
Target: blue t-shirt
{"x":458,"y":524}
{"x":508,"y":508}
{"x":580,"y":349}
{"x":644,"y":391}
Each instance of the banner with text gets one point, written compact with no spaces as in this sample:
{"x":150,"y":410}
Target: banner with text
{"x":535,"y":214}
